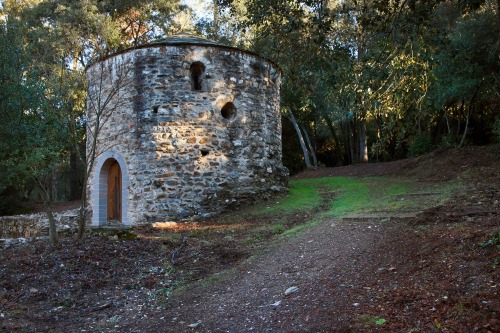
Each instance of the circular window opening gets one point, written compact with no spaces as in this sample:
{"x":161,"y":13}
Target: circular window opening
{"x":228,"y":111}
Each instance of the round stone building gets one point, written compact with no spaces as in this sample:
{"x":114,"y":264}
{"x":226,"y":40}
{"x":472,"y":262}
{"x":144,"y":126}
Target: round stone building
{"x":182,"y":127}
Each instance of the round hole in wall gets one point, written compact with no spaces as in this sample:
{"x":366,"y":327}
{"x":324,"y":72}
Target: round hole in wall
{"x":204,"y":151}
{"x":228,"y":111}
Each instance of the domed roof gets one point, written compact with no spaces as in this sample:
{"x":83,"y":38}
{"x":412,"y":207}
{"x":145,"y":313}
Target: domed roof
{"x":184,"y":38}
{"x":181,"y":39}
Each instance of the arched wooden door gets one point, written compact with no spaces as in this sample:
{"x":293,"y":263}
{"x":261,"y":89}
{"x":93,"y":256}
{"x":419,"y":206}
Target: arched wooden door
{"x":115,"y":192}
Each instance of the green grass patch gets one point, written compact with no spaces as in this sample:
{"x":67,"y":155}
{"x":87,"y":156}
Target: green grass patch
{"x":335,"y":197}
{"x":384,"y":195}
{"x":352,"y":195}
{"x":339,"y":196}
{"x":303,"y":196}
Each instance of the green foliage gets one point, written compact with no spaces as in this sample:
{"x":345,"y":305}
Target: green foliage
{"x":84,"y":30}
{"x":391,"y":66}
{"x":468,"y":56}
{"x":32,"y":137}
{"x":421,"y":144}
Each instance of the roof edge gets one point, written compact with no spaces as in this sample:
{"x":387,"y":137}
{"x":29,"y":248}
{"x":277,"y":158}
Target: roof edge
{"x":167,"y":42}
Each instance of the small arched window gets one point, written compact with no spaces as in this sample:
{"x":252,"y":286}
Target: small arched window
{"x":197,"y":69}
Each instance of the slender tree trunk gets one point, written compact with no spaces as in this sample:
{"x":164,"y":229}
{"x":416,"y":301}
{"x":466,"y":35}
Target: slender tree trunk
{"x":53,"y":188}
{"x":353,"y":138}
{"x":447,"y":121}
{"x":333,"y":132}
{"x":301,"y":139}
{"x":377,"y":145}
{"x":89,"y":165}
{"x":469,"y":114}
{"x":52,"y":224}
{"x":363,"y":145}
{"x":81,"y":212}
{"x":74,"y":189}
{"x":380,"y":122}
{"x":348,"y":139}
{"x":311,"y":148}
{"x":47,"y":203}
{"x":460,"y":116}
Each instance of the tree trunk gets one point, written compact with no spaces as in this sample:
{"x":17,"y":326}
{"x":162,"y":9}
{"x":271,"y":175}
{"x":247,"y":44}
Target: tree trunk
{"x":90,"y":160}
{"x":352,"y":142}
{"x":301,"y":139}
{"x":462,"y":104}
{"x":380,"y":123}
{"x":347,"y":138}
{"x":469,"y":114}
{"x":311,"y":148}
{"x":74,"y":188}
{"x":52,"y":224}
{"x":363,"y":146}
{"x":335,"y":137}
{"x":81,"y":213}
{"x":447,"y":121}
{"x":47,"y":203}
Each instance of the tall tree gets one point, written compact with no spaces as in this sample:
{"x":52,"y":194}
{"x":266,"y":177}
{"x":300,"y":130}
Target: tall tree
{"x":33,"y":135}
{"x":468,"y":64}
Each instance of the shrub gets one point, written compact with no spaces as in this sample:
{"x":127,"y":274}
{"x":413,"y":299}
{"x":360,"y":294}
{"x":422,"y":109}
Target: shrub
{"x":420,"y":144}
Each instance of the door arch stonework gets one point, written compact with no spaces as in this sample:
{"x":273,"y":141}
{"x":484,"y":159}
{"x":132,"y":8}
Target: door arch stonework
{"x":110,"y":203}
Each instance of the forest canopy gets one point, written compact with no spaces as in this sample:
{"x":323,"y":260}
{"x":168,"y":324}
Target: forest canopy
{"x":363,"y":80}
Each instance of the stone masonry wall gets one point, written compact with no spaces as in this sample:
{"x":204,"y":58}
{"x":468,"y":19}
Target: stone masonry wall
{"x":36,"y":225}
{"x":185,"y":153}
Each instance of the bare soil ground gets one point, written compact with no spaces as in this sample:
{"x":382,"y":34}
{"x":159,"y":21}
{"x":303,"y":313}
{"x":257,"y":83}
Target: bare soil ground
{"x":436,"y":271}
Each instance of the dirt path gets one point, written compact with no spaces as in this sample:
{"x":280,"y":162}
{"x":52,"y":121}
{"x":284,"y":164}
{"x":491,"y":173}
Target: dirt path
{"x":350,"y":275}
{"x":324,"y":263}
